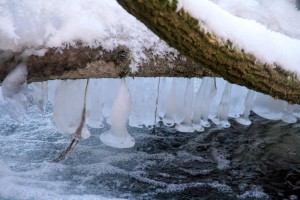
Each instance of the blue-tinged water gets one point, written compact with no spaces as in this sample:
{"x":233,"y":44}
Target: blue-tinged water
{"x":261,"y":161}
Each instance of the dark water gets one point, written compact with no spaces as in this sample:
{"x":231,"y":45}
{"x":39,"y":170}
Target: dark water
{"x":261,"y":161}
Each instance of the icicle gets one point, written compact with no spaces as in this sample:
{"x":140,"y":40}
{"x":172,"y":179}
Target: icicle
{"x":144,"y":94}
{"x":94,"y":104}
{"x":223,"y":108}
{"x":203,"y":99}
{"x":288,"y":116}
{"x":118,"y":135}
{"x":14,"y":91}
{"x":244,"y":119}
{"x":69,"y":104}
{"x":237,"y":101}
{"x":208,"y":97}
{"x":163,"y":97}
{"x":268,"y":107}
{"x":52,"y":88}
{"x":110,"y":90}
{"x":186,"y":126}
{"x":168,"y":120}
{"x":179,"y":100}
{"x":81,"y":132}
{"x":38,"y":94}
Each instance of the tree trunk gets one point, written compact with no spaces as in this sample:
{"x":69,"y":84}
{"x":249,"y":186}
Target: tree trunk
{"x":184,"y":33}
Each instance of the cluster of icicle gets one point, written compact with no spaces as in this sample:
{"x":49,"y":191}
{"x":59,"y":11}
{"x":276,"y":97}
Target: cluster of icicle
{"x":187,"y":104}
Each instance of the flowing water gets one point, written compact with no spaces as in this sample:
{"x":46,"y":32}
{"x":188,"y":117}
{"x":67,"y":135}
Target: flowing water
{"x":261,"y":161}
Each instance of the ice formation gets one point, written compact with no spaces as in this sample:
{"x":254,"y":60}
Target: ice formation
{"x":221,"y":118}
{"x":244,"y":119}
{"x":186,"y":125}
{"x":168,"y":119}
{"x":38,"y":94}
{"x":14,"y":88}
{"x":202,"y":103}
{"x":185,"y":104}
{"x":94,"y":104}
{"x":144,"y":103}
{"x":69,"y":105}
{"x":118,"y":135}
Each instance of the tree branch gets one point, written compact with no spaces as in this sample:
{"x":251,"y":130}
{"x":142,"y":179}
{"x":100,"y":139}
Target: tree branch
{"x":84,"y":62}
{"x":184,"y":33}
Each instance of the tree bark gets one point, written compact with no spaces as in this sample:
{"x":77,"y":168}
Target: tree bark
{"x":84,"y":62}
{"x":184,"y":33}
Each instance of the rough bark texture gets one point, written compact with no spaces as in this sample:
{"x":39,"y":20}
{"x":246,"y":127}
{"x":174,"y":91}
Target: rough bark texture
{"x":185,"y":34}
{"x":84,"y":62}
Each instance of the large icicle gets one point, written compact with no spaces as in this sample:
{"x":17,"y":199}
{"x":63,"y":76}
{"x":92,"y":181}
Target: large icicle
{"x":94,"y":103}
{"x":118,"y":135}
{"x":14,"y":88}
{"x":268,"y":107}
{"x":81,"y":132}
{"x":168,"y":120}
{"x":244,"y":118}
{"x":144,"y":94}
{"x":186,"y":126}
{"x":202,"y":104}
{"x":237,"y":101}
{"x":69,"y":105}
{"x":223,"y":108}
{"x":196,"y":118}
{"x":52,"y":89}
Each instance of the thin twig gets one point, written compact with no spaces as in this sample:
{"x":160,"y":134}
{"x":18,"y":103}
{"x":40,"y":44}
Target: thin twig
{"x":77,"y":135}
{"x":68,"y":150}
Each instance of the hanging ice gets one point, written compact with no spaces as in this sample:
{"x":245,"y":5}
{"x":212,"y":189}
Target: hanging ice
{"x":268,"y":107}
{"x":197,"y":107}
{"x":186,"y":126}
{"x":179,"y":111}
{"x":69,"y":106}
{"x":110,"y":90}
{"x":203,"y":99}
{"x":288,"y":116}
{"x":168,"y":120}
{"x":38,"y":94}
{"x":14,"y":91}
{"x":118,"y":135}
{"x":94,"y":103}
{"x":237,"y":101}
{"x":52,"y":88}
{"x":144,"y":93}
{"x":223,"y":108}
{"x":244,"y":119}
{"x":163,"y":97}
